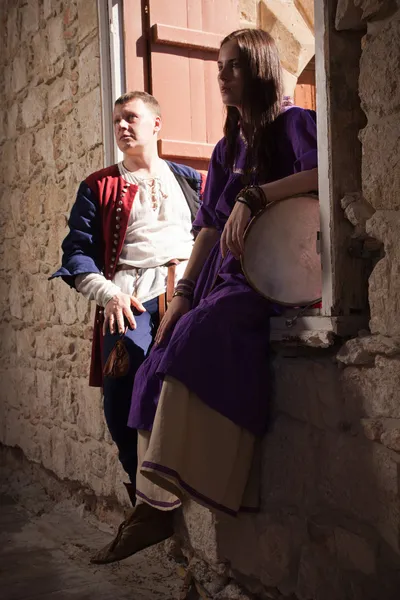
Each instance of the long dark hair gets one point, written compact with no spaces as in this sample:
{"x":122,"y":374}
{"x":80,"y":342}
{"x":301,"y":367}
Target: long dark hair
{"x":261,"y":100}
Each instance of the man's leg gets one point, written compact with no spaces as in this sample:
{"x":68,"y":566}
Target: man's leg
{"x":117,"y":392}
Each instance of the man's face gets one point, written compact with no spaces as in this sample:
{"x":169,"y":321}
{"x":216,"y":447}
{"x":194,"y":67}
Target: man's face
{"x":135,"y":126}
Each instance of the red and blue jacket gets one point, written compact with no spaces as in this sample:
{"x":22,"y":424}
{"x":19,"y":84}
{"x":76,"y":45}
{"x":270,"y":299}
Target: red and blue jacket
{"x":97,"y":229}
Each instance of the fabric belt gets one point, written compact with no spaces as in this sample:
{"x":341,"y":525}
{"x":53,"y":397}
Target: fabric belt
{"x":163,"y":299}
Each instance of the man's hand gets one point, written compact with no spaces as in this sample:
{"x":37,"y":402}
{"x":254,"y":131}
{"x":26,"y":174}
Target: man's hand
{"x":116,"y":309}
{"x":233,"y":234}
{"x":178,"y":307}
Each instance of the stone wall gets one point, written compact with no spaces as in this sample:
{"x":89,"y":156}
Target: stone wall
{"x":291,"y":23}
{"x":330,"y":524}
{"x":50,"y":139}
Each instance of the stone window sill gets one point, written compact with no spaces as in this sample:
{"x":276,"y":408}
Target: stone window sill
{"x":315,"y":331}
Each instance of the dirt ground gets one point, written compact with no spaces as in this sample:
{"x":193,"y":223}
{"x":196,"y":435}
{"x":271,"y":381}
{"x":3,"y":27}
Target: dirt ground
{"x":45,"y":547}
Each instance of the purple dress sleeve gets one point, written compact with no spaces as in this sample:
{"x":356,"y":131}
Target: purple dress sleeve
{"x":302,"y":131}
{"x":217,"y":178}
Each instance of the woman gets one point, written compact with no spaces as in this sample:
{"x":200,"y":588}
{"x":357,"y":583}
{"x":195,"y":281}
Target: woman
{"x":200,"y":400}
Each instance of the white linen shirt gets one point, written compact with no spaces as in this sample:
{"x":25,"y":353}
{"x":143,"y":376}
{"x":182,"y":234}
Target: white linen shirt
{"x":159,"y":230}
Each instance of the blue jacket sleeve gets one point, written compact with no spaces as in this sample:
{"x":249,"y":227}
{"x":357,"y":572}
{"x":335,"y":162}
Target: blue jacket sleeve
{"x":83,"y":246}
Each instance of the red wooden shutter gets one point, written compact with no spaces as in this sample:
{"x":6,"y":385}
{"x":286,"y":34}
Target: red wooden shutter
{"x":183,"y":38}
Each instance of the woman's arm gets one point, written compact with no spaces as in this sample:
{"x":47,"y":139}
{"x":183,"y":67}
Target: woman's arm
{"x":299,"y":183}
{"x":233,"y":235}
{"x":203,"y":245}
{"x":180,"y":305}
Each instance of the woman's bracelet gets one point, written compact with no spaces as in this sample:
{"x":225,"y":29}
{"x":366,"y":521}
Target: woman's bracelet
{"x":242,"y":200}
{"x":254,"y":197}
{"x":184,"y":288}
{"x":184,"y":294}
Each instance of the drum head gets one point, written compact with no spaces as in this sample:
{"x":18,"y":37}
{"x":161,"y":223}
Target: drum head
{"x":280,"y":258}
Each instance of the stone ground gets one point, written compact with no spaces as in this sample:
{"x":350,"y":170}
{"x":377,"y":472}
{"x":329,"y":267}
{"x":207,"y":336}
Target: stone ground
{"x":45,"y":546}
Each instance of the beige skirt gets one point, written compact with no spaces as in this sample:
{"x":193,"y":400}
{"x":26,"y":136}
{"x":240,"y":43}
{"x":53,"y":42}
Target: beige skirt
{"x":195,"y":452}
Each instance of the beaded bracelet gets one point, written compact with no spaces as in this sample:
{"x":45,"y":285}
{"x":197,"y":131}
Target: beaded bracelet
{"x":185,"y":288}
{"x":183,"y":294}
{"x":254,"y":197}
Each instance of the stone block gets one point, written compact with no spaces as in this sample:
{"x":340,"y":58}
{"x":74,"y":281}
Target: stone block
{"x":89,"y":66}
{"x":363,"y":350}
{"x":90,"y":417}
{"x":291,"y":32}
{"x":384,"y":298}
{"x":34,"y":107}
{"x":289,"y":83}
{"x":15,"y":300}
{"x":30,"y":17}
{"x":18,"y":387}
{"x":42,"y":404}
{"x":41,"y":69}
{"x":11,"y":121}
{"x":375,"y":9}
{"x":373,"y":392}
{"x":43,"y":145}
{"x":391,"y":434}
{"x":13,"y":35}
{"x":8,"y":345}
{"x":49,"y":9}
{"x":57,"y":458}
{"x":208,"y":583}
{"x":289,"y":48}
{"x":25,"y":340}
{"x":98,"y":462}
{"x":295,"y":445}
{"x":348,"y":16}
{"x":3,"y":133}
{"x":372,"y":429}
{"x":24,"y":146}
{"x":232,"y":592}
{"x":89,"y":117}
{"x":319,"y":578}
{"x":55,"y":32}
{"x":59,"y":92}
{"x":308,"y":389}
{"x":361,"y":478}
{"x":69,"y":146}
{"x":263,"y":547}
{"x":355,"y":552}
{"x":379,"y":82}
{"x":65,"y":302}
{"x":19,"y":73}
{"x":248,"y":11}
{"x":199,"y":532}
{"x":383,"y":282}
{"x":8,"y":157}
{"x":37,"y":307}
{"x":381,"y":153}
{"x":87,"y":18}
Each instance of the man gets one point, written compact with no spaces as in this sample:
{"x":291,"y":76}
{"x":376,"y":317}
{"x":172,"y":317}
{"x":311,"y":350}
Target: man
{"x":130,"y":237}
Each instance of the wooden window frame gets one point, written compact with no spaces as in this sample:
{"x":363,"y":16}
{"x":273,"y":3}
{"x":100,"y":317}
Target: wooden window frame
{"x":112,"y":70}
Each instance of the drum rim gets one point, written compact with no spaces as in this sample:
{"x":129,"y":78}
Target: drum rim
{"x":307,"y":302}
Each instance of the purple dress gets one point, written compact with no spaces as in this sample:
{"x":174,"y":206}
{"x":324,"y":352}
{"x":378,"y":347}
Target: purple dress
{"x":219,"y":349}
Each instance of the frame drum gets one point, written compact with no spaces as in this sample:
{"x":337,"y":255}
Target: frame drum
{"x":281,"y":259}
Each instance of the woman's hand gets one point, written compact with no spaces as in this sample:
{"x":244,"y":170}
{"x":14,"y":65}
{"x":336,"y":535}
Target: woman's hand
{"x":178,"y":307}
{"x":116,"y":309}
{"x":233,"y":234}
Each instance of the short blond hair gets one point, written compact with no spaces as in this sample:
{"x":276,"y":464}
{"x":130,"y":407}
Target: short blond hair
{"x":146,"y":98}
